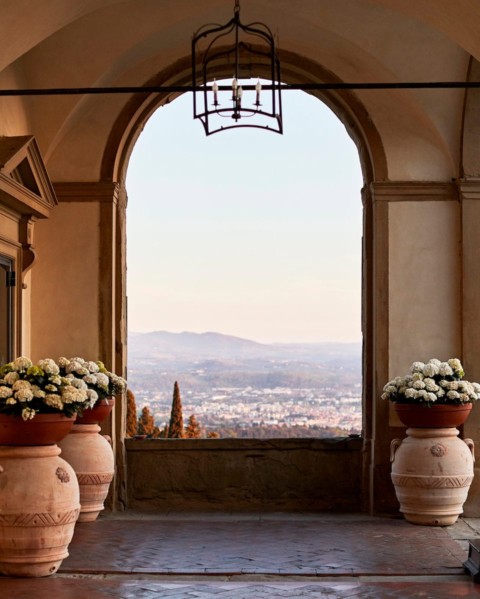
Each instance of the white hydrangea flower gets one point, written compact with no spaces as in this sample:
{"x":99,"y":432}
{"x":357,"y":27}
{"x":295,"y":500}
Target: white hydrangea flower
{"x":11,"y":401}
{"x":24,"y":395}
{"x":391,"y":389}
{"x":430,"y":370}
{"x":63,"y":362}
{"x":418,"y":385}
{"x":430,"y":385}
{"x":455,"y":365}
{"x":443,"y":383}
{"x":440,"y":393}
{"x":73,"y":366}
{"x":49,"y":366}
{"x":21,"y":364}
{"x":91,"y":379}
{"x":54,"y":401}
{"x":37,"y":392}
{"x":452,"y":385}
{"x":453,"y":395}
{"x":93,"y":397}
{"x":92,"y":367}
{"x":71,"y":394}
{"x":417,"y":367}
{"x":5,"y":392}
{"x":431,"y":397}
{"x":102,"y":380}
{"x":78,"y":384}
{"x":476,"y":387}
{"x":28,"y":413}
{"x":466,"y":387}
{"x":423,"y":395}
{"x":19,"y":385}
{"x":411,"y":393}
{"x":464,"y":397}
{"x":417,"y":376}
{"x":434,"y":361}
{"x":11,"y":378}
{"x":445,"y":370}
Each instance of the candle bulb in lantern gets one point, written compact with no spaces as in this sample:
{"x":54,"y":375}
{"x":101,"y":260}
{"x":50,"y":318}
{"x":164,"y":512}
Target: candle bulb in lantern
{"x":234,"y":88}
{"x":215,"y":92}
{"x":239,"y":96}
{"x":258,"y":89}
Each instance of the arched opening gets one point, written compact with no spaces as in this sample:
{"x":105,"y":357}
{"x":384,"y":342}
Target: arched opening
{"x":255,"y":237}
{"x":352,"y":458}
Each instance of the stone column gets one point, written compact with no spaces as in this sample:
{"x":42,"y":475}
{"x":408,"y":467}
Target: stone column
{"x":469,"y":190}
{"x":416,"y":295}
{"x":84,"y":242}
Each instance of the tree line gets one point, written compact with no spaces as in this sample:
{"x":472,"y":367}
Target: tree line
{"x":145,"y":425}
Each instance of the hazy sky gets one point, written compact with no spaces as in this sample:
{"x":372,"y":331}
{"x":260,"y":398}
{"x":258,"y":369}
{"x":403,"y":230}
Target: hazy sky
{"x":246,"y":232}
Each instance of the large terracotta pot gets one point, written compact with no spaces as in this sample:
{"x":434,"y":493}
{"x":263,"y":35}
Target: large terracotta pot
{"x":433,"y":416}
{"x":39,"y":505}
{"x":98,"y":413}
{"x":432,"y":470}
{"x":91,"y":456}
{"x":43,"y":429}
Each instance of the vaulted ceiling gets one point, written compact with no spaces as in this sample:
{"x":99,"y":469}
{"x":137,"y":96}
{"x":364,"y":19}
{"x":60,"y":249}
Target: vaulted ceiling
{"x":88,"y":43}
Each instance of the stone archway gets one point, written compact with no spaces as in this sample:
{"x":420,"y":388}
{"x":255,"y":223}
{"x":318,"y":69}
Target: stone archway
{"x":354,"y":116}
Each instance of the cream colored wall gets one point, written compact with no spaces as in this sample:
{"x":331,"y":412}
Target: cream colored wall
{"x":424,"y":282}
{"x":65,"y":283}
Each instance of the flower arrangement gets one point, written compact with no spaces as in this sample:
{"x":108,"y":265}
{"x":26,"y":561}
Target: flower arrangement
{"x":27,"y":389}
{"x":92,"y":376}
{"x":433,"y":382}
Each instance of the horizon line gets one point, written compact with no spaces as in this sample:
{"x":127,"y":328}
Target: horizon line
{"x":359,"y":341}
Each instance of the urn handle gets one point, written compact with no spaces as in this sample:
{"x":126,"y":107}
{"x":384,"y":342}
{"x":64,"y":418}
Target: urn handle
{"x":394,"y":445}
{"x":471,"y":447}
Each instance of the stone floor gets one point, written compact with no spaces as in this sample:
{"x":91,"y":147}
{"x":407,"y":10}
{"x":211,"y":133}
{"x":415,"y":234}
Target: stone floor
{"x":257,"y":556}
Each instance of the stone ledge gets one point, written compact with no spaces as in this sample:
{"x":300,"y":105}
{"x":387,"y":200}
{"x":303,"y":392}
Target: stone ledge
{"x":333,"y":444}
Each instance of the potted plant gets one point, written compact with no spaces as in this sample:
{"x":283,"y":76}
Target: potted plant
{"x":37,"y":405}
{"x":85,"y":449}
{"x":39,"y":502}
{"x":432,"y":394}
{"x":101,"y":386}
{"x":432,"y":469}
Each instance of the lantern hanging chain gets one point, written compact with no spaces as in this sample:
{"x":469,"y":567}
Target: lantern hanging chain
{"x":236,"y":9}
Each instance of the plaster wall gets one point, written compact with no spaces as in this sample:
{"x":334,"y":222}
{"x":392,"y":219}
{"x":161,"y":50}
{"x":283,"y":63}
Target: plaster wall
{"x":424,"y":282}
{"x":245,"y":474}
{"x":65,"y":283}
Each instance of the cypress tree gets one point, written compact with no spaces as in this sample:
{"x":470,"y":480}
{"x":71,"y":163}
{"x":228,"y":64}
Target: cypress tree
{"x":193,"y":430}
{"x":146,"y":423}
{"x":175,"y":429}
{"x":132,"y":424}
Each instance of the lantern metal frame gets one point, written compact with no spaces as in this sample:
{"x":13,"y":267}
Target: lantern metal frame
{"x":245,"y":48}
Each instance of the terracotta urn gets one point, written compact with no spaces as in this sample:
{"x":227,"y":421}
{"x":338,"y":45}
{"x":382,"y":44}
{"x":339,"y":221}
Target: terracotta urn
{"x":432,"y":470}
{"x":39,"y":505}
{"x":91,"y":456}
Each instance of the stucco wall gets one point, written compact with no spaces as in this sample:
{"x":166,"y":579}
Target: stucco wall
{"x":65,"y":283}
{"x":245,"y":474}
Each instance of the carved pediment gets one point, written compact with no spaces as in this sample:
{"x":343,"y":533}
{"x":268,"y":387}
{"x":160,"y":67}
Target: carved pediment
{"x":24,"y":182}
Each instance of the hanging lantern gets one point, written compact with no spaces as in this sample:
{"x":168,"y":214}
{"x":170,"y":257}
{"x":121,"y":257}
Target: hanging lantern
{"x":244,"y":50}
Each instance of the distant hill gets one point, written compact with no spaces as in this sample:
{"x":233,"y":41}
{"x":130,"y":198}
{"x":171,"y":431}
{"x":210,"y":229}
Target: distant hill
{"x":195,"y":346}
